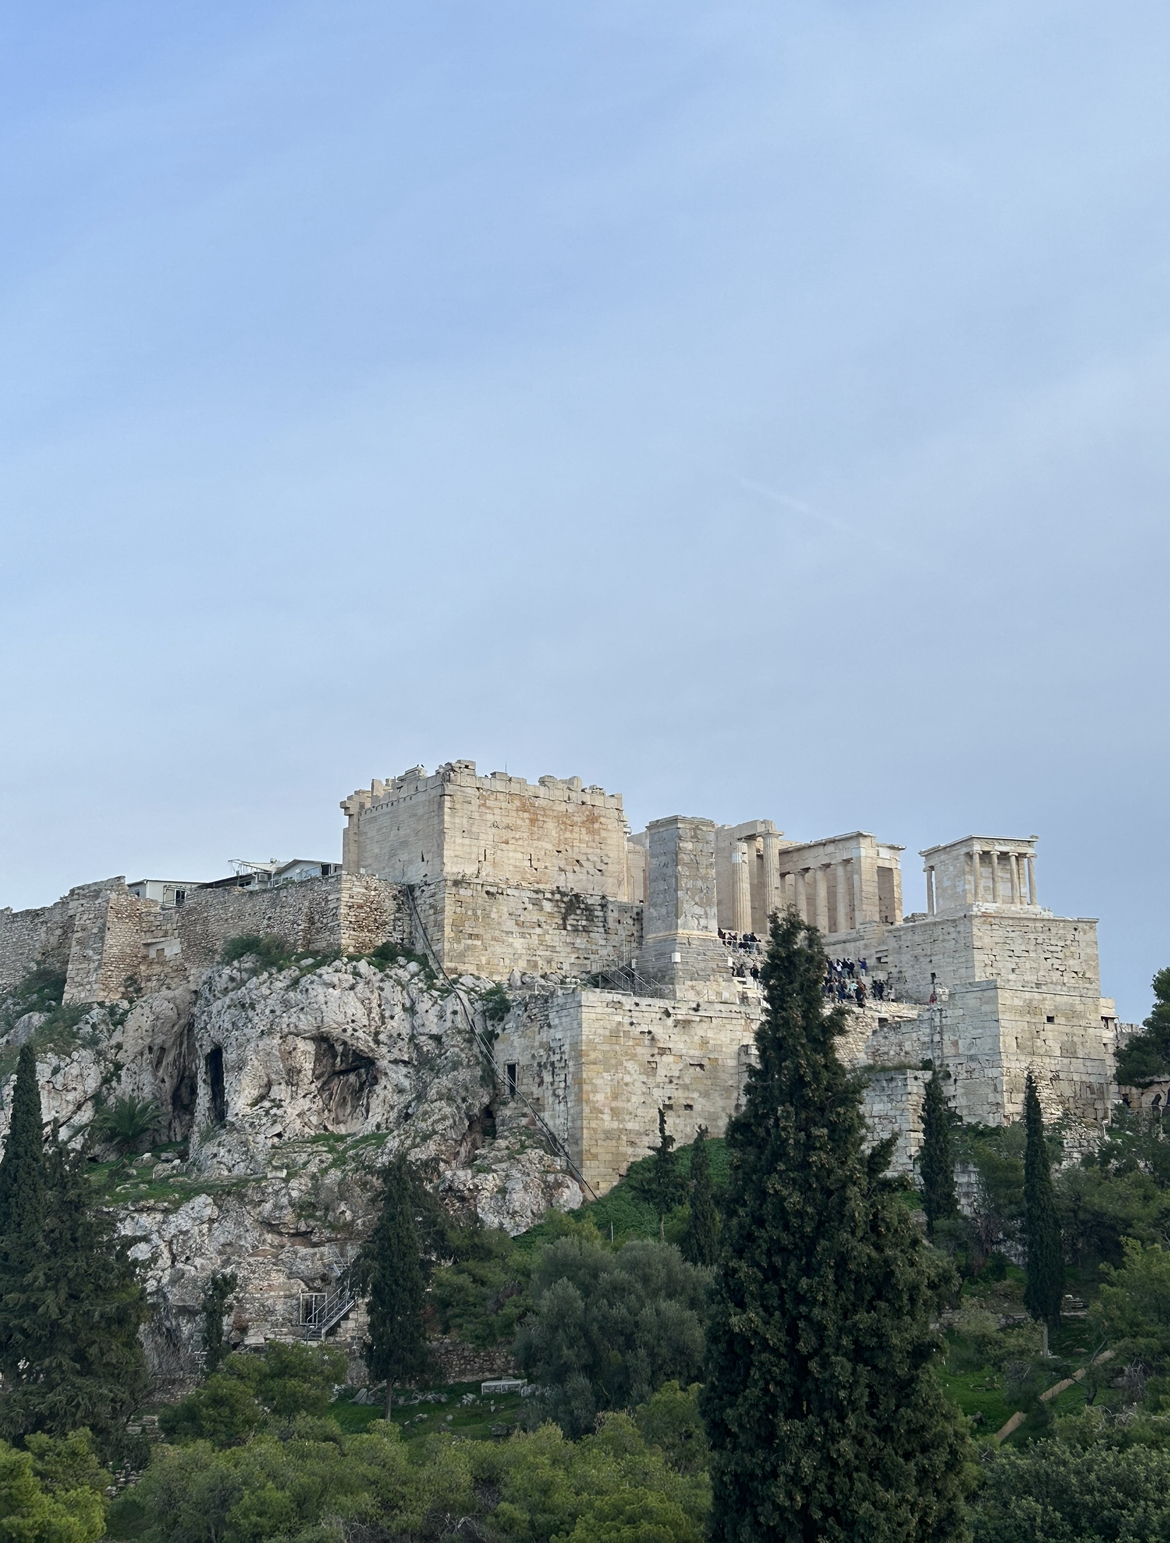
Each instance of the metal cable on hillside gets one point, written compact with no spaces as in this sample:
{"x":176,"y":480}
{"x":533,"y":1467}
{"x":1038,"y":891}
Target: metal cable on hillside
{"x":558,"y":1148}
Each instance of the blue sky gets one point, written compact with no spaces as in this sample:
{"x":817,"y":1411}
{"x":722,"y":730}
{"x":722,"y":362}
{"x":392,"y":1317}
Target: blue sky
{"x":755,"y":409}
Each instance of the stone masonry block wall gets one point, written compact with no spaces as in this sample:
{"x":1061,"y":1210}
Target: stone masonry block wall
{"x":893,"y":1107}
{"x":492,"y":929}
{"x":599,"y":1065}
{"x":454,"y":824}
{"x":29,"y":938}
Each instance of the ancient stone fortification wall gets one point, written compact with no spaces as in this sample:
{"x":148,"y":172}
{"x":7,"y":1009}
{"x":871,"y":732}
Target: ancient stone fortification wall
{"x":492,"y":929}
{"x":111,"y":943}
{"x":551,"y":834}
{"x":352,"y":914}
{"x":599,"y":1065}
{"x":893,"y":1107}
{"x":29,"y":938}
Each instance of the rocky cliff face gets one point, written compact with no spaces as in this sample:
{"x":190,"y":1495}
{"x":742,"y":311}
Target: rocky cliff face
{"x":291,"y":1088}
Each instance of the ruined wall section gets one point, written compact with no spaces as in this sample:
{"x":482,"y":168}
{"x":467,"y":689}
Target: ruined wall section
{"x":554,"y":834}
{"x":493,"y":929}
{"x":28,"y":938}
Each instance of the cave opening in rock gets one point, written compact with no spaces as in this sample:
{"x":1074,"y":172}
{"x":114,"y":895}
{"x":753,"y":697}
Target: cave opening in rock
{"x":213,"y":1066}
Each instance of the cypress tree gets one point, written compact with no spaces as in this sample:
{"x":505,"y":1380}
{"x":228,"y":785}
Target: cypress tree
{"x":390,"y":1269}
{"x":936,"y":1163}
{"x":22,"y":1209}
{"x":1043,"y":1260}
{"x":702,"y":1236}
{"x":75,"y":1318}
{"x":662,"y":1185}
{"x":822,"y":1411}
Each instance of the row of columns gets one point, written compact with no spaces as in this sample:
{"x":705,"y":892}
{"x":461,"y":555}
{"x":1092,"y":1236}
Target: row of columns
{"x":807,"y":890}
{"x":1020,"y":888}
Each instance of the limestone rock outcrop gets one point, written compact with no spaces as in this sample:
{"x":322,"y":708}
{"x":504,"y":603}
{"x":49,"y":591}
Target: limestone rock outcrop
{"x":291,"y":1088}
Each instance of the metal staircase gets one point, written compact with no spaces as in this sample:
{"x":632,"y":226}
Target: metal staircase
{"x":322,"y":1312}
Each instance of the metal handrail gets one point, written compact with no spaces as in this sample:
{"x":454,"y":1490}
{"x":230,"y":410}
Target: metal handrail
{"x":323,"y":1316}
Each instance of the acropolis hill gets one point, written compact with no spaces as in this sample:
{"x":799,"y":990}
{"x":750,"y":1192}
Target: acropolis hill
{"x":540,"y":885}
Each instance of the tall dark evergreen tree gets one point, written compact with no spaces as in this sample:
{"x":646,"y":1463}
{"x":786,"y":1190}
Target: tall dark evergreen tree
{"x":936,"y":1163}
{"x":1043,"y":1258}
{"x":74,"y":1318}
{"x":662,"y":1184}
{"x":824,"y":1417}
{"x":390,"y":1269}
{"x":702,"y":1235}
{"x":22,"y":1208}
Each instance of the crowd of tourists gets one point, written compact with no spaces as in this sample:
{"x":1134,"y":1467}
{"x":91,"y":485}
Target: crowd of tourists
{"x":848,"y":980}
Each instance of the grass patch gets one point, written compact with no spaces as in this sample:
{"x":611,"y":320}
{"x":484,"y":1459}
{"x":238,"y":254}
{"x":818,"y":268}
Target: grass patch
{"x":473,"y":1420}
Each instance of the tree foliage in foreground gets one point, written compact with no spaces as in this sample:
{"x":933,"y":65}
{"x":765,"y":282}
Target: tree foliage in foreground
{"x":391,"y":1270}
{"x":936,"y":1161}
{"x":1098,"y":1481}
{"x":1146,"y":1057}
{"x":701,"y":1241}
{"x":1044,"y":1259}
{"x":54,"y":1492}
{"x":314,"y":1483}
{"x":823,"y":1414}
{"x":609,"y":1328}
{"x":71,"y":1302}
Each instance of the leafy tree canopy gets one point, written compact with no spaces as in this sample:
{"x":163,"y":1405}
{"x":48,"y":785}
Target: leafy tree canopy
{"x":1146,"y":1057}
{"x":315,"y":1483}
{"x":609,"y":1328}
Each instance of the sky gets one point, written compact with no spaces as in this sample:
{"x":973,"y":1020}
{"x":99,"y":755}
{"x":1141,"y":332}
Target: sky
{"x":756,"y":409}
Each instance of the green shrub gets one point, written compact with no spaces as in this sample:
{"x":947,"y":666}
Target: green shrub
{"x":53,"y":1493}
{"x":284,"y":1383}
{"x":269,"y":951}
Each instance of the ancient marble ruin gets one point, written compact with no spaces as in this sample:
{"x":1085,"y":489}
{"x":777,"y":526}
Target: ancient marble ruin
{"x":627,"y":959}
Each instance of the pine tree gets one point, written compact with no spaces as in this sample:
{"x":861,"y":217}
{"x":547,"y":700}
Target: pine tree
{"x":936,"y":1163}
{"x":821,"y":1407}
{"x":1043,"y":1259}
{"x":390,"y":1269}
{"x":22,"y":1208}
{"x":75,"y":1318}
{"x":702,"y":1236}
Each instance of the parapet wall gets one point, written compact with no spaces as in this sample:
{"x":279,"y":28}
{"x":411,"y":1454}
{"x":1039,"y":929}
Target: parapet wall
{"x":420,"y":829}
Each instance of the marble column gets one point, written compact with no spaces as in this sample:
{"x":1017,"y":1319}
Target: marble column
{"x":844,"y":895}
{"x":976,"y":875}
{"x":800,"y":894}
{"x":1014,"y":875}
{"x":773,"y":900}
{"x":930,"y":892}
{"x":741,"y":888}
{"x":995,"y":875}
{"x":1032,"y":900}
{"x":821,"y":891}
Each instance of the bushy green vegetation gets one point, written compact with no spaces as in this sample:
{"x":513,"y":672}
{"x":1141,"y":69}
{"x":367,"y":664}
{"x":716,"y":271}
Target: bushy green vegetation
{"x":1146,"y":1057}
{"x":638,"y":1478}
{"x":608,"y":1328}
{"x":269,"y":951}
